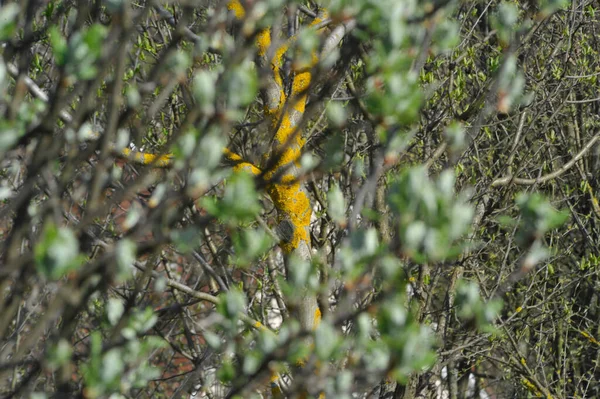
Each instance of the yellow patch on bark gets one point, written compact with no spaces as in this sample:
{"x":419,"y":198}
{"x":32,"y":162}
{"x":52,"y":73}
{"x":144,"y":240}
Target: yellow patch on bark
{"x":292,"y":204}
{"x":288,"y":197}
{"x":263,"y":41}
{"x":300,"y":85}
{"x":240,"y":165}
{"x":237,"y":8}
{"x":317,"y":317}
{"x":147,"y":159}
{"x":246,"y":167}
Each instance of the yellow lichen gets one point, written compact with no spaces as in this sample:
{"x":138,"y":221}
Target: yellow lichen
{"x":523,"y":362}
{"x":323,"y":15}
{"x":317,"y":317}
{"x":300,"y":85}
{"x":288,"y":197}
{"x":167,"y":160}
{"x":240,"y":165}
{"x":263,"y":41}
{"x":230,"y":155}
{"x":290,"y":143}
{"x":288,"y":155}
{"x":237,"y":8}
{"x":246,"y":167}
{"x":589,"y":338}
{"x":147,"y":159}
{"x":531,"y":387}
{"x":277,"y":60}
{"x":293,"y":204}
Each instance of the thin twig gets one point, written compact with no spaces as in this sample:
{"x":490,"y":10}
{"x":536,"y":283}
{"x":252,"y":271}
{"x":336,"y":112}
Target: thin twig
{"x":37,"y":91}
{"x":503,"y":181}
{"x":204,"y":297}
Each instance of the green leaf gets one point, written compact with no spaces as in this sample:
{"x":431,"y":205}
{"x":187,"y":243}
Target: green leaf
{"x":538,"y":217}
{"x":112,"y":367}
{"x":505,"y":21}
{"x":394,"y":96}
{"x":242,"y":85}
{"x":298,"y":352}
{"x":252,"y":362}
{"x":536,"y":254}
{"x":59,"y":45}
{"x":364,"y":242}
{"x":211,"y":150}
{"x":432,"y":219}
{"x":157,"y":195}
{"x":204,"y":90}
{"x":142,"y":321}
{"x":446,"y":35}
{"x":125,"y":254}
{"x":178,"y":63}
{"x":186,"y":240}
{"x":334,"y":151}
{"x":326,"y":340}
{"x":226,"y":372}
{"x":114,"y":6}
{"x":377,"y":356}
{"x":300,"y":271}
{"x":212,"y":339}
{"x":249,"y":244}
{"x":267,"y":341}
{"x":455,"y":135}
{"x":9,"y":135}
{"x":336,"y":113}
{"x":397,"y":26}
{"x":80,"y":54}
{"x":417,"y":352}
{"x":336,"y":205}
{"x":57,"y":252}
{"x":547,"y":7}
{"x":8,"y":20}
{"x":471,"y":307}
{"x":232,"y":303}
{"x":114,"y":310}
{"x":239,"y":203}
{"x":59,"y":354}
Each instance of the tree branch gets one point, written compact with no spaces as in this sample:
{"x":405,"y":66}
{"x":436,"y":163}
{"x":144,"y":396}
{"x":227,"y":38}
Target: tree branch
{"x":503,"y":181}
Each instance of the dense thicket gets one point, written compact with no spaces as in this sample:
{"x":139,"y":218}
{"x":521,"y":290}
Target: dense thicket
{"x":369,"y":198}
